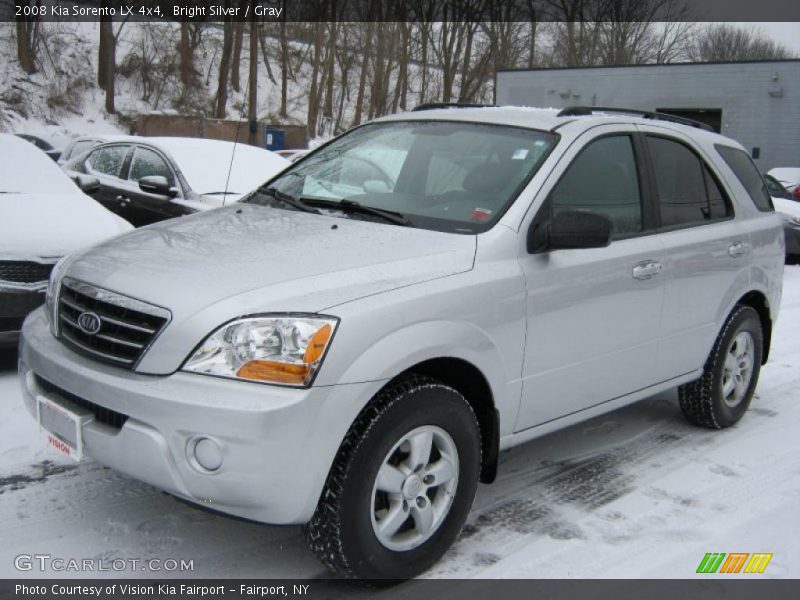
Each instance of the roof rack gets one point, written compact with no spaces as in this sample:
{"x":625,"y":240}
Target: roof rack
{"x":435,"y":105}
{"x":585,"y":111}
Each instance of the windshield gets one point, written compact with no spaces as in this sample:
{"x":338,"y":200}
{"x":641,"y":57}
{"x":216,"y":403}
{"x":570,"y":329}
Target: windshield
{"x":448,"y":176}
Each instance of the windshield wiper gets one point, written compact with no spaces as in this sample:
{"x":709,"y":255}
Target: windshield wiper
{"x":353,"y":206}
{"x":288,"y":199}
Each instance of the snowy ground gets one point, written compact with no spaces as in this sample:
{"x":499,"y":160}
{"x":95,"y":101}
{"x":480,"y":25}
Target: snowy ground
{"x":636,"y":493}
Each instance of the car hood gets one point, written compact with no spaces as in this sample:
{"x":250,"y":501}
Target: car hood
{"x":47,"y":226}
{"x":213,"y":266}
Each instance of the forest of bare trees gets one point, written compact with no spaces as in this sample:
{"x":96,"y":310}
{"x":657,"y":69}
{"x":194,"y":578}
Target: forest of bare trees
{"x":353,"y":71}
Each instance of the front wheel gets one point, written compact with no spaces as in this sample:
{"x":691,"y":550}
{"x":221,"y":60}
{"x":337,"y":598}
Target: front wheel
{"x":721,"y":396}
{"x":401,"y":485}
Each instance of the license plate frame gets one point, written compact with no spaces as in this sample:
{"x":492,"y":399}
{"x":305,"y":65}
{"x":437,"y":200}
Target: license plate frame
{"x":62,"y":425}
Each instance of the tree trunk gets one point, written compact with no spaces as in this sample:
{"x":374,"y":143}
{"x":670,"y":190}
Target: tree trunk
{"x":252,"y":102}
{"x":236,"y":61}
{"x":224,"y":68}
{"x":108,"y":61}
{"x":313,"y":104}
{"x":102,"y":54}
{"x":362,"y":78}
{"x":284,"y":70}
{"x":25,"y":51}
{"x":186,"y":56}
{"x":327,"y":109}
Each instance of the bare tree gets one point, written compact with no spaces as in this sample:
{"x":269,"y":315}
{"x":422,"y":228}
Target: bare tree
{"x":727,"y":42}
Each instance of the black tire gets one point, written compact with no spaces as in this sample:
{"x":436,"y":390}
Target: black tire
{"x":341,"y":531}
{"x":703,"y":401}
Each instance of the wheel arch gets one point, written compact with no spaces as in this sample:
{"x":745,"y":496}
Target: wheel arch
{"x":470,"y":382}
{"x":759,"y":302}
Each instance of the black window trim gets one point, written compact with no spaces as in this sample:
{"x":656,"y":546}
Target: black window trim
{"x":656,"y":207}
{"x":545,"y":211}
{"x":763,"y":180}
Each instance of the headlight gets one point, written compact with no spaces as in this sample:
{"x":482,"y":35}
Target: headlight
{"x":282,"y":349}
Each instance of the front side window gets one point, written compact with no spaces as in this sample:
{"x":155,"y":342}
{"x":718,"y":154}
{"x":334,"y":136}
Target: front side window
{"x":603,"y":179}
{"x":746,"y":172}
{"x":108,"y":160}
{"x":448,"y":176}
{"x":147,"y":163}
{"x":687,"y":192}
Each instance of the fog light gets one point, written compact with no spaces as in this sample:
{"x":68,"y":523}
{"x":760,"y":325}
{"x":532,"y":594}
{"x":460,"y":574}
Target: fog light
{"x":207,"y":454}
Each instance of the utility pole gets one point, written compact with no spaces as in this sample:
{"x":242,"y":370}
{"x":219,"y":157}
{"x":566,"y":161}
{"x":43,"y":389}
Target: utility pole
{"x":252,"y":86}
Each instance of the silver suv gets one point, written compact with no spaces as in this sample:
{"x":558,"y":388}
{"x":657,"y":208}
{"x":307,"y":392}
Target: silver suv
{"x":352,"y":345}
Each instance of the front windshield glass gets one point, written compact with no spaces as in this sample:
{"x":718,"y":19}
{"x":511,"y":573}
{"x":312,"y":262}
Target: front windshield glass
{"x":448,"y":176}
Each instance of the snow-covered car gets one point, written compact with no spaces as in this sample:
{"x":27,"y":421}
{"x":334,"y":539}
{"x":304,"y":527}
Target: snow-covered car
{"x":77,"y":146}
{"x":42,"y":144}
{"x":789,"y":178}
{"x":149,"y":179}
{"x":43,"y":216}
{"x":789,"y":211}
{"x":353,"y":355}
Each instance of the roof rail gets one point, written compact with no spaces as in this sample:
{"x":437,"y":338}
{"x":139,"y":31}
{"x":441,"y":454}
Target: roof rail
{"x":584,"y":111}
{"x":435,"y":105}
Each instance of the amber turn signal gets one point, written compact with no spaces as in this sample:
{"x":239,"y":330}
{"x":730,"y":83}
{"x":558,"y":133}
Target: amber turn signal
{"x":267,"y":370}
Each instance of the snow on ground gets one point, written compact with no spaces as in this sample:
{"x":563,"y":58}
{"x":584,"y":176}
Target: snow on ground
{"x":635,"y":493}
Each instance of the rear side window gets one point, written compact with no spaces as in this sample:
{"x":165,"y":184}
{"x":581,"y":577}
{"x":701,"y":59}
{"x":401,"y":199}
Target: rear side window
{"x":687,"y":192}
{"x":108,"y":160}
{"x":748,"y":175}
{"x":603,"y":178}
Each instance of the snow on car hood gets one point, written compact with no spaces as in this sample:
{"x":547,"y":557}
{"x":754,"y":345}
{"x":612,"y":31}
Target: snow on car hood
{"x":52,"y":225}
{"x":246,"y":259}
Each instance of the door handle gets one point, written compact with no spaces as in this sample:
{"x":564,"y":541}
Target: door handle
{"x":737,"y":249}
{"x":646,"y":270}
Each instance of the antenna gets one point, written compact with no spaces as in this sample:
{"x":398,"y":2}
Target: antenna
{"x":236,"y":139}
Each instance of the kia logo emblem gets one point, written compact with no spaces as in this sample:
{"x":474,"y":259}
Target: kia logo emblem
{"x":89,"y":323}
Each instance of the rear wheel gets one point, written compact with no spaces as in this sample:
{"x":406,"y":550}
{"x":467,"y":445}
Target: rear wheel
{"x":722,"y":395}
{"x":402,"y":483}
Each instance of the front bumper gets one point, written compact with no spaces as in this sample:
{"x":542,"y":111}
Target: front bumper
{"x":277,"y":443}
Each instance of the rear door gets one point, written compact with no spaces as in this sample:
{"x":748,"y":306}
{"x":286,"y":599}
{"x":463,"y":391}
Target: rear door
{"x":593,"y":314}
{"x":706,"y":249}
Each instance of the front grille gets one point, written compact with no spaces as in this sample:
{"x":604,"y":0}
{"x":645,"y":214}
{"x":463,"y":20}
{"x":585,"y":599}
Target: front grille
{"x":127,"y":326}
{"x":24,"y":271}
{"x":103,"y":415}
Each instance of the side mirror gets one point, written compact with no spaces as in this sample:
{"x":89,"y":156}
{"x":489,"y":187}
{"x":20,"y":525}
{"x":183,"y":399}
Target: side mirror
{"x":570,"y":229}
{"x":87,"y":183}
{"x":157,"y":184}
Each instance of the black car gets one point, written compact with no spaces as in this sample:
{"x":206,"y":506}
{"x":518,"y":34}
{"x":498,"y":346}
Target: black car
{"x":145,"y":180}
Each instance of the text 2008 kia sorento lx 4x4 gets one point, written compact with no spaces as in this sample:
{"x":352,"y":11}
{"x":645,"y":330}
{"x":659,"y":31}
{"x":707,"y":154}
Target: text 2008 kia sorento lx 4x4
{"x":352,"y":345}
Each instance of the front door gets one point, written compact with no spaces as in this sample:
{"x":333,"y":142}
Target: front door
{"x":593,"y":314}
